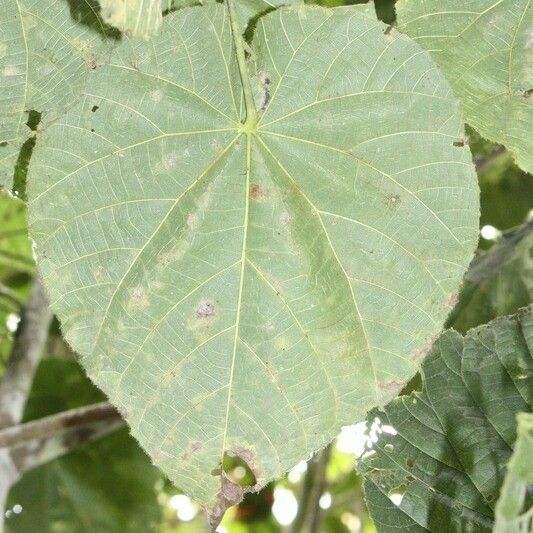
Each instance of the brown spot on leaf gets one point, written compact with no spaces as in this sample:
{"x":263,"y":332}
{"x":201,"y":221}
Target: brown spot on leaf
{"x":195,"y":447}
{"x":452,"y":299}
{"x":99,"y":274}
{"x":192,"y":221}
{"x":264,"y":84}
{"x":89,"y":58}
{"x":247,"y":455}
{"x":393,"y":200}
{"x":169,"y":377}
{"x":420,"y":353}
{"x":258,"y":192}
{"x":393,"y":387}
{"x":138,"y":298}
{"x":166,"y":258}
{"x":205,"y":309}
{"x":230,"y":494}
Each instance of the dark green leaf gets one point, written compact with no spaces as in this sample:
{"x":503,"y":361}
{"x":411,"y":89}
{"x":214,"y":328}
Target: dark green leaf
{"x":454,"y":438}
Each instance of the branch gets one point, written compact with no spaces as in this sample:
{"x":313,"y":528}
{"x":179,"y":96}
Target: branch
{"x":29,"y":445}
{"x":17,"y":380}
{"x":42,"y":440}
{"x":487,"y":264}
{"x":308,"y":517}
{"x":60,"y":423}
{"x":25,"y":355}
{"x":484,"y":162}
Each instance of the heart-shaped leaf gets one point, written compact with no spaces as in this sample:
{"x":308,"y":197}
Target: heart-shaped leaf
{"x":454,"y":438}
{"x":252,"y":287}
{"x":46,"y":49}
{"x":484,"y":48}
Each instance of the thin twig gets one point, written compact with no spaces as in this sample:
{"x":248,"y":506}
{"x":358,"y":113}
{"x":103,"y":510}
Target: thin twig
{"x":43,"y":440}
{"x":50,"y":426}
{"x":17,"y":380}
{"x":308,"y":518}
{"x":25,"y":355}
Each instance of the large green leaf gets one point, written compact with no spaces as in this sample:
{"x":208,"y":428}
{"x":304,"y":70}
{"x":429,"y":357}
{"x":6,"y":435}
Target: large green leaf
{"x":518,"y":482}
{"x":252,"y":288}
{"x":484,"y":47}
{"x":455,"y":437}
{"x":46,"y":49}
{"x":106,"y":486}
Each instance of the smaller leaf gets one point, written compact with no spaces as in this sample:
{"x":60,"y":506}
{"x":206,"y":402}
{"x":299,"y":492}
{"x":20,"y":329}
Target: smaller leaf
{"x":518,"y":481}
{"x":484,"y":49}
{"x":138,"y":18}
{"x":446,"y":458}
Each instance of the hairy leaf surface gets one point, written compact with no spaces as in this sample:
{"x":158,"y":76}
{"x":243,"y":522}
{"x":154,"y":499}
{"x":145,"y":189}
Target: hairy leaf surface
{"x":456,"y":436}
{"x":484,"y":47}
{"x":46,"y":49}
{"x":252,"y":288}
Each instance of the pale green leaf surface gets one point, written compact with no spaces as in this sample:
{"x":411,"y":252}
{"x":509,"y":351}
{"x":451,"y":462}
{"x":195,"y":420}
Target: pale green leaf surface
{"x":247,"y":10}
{"x":138,"y":18}
{"x":485,"y":49}
{"x":455,"y":437}
{"x":143,"y":18}
{"x":518,"y":482}
{"x":46,"y":48}
{"x":254,"y":292}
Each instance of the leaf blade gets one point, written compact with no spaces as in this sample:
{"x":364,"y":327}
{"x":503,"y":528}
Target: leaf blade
{"x":457,"y":434}
{"x":138,"y":18}
{"x":191,"y":264}
{"x":484,"y":50}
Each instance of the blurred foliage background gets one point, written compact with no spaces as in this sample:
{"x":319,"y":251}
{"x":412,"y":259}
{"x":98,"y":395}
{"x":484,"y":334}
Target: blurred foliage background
{"x":110,"y":485}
